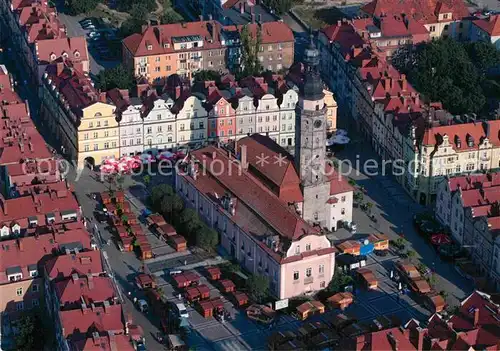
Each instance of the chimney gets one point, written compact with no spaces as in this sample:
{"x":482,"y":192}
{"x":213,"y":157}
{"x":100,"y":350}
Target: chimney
{"x":20,"y":244}
{"x":106,"y":306}
{"x":420,"y":342}
{"x":95,"y":338}
{"x":476,"y":317}
{"x":404,"y":82}
{"x":59,"y":68}
{"x":74,"y":277}
{"x":85,"y":309}
{"x":90,"y":281}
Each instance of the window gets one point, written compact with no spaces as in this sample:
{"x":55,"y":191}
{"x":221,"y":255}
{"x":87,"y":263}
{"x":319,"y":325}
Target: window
{"x":169,"y":127}
{"x":138,"y":141}
{"x":432,"y":28}
{"x":96,"y":135}
{"x":168,"y":68}
{"x":159,"y":129}
{"x":98,"y":124}
{"x":342,"y":211}
{"x":96,"y":147}
{"x":308,"y":247}
{"x":106,"y":145}
{"x":158,"y":116}
{"x":297,"y":249}
{"x":35,"y":302}
{"x":150,"y":130}
{"x":86,"y":136}
{"x":20,"y":306}
{"x":321,"y":269}
{"x":34,"y":288}
{"x":342,"y":199}
{"x":91,"y":125}
{"x":19,"y":291}
{"x":157,"y":59}
{"x":296,"y":275}
{"x":86,"y":147}
{"x":106,"y":134}
{"x":445,"y":16}
{"x":308,"y":272}
{"x":470,"y":167}
{"x":106,"y":123}
{"x":34,"y":273}
{"x":322,"y":284}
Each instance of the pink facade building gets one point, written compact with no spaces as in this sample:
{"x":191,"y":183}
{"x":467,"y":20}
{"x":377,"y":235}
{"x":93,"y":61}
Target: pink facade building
{"x":258,"y":218}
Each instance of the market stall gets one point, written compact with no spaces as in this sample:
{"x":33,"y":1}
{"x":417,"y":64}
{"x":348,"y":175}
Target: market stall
{"x":121,"y":230}
{"x":145,"y":281}
{"x":240,"y":298}
{"x":214,"y":273}
{"x":166,"y":230}
{"x":178,"y":243}
{"x":155,"y":219}
{"x":309,"y":308}
{"x":380,"y":241}
{"x":207,"y":308}
{"x":341,"y":300}
{"x":368,"y":278}
{"x":146,"y":251}
{"x":227,"y":286}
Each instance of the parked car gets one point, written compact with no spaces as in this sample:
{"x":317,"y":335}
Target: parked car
{"x":142,"y":305}
{"x":93,"y":35}
{"x":181,"y":311}
{"x":88,"y":26}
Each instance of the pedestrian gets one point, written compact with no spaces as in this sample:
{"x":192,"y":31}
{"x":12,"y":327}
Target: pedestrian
{"x":185,"y":262}
{"x":135,"y":299}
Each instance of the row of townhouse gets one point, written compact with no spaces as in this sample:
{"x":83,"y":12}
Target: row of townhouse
{"x":389,"y":113}
{"x":38,"y":38}
{"x":469,"y":206}
{"x":185,"y":48}
{"x":47,"y":256}
{"x":92,"y":126}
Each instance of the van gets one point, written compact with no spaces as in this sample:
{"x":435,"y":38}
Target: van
{"x":181,"y":310}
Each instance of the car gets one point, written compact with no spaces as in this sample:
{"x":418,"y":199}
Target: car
{"x":93,"y":35}
{"x":181,"y":310}
{"x":381,"y":253}
{"x":142,"y":305}
{"x":86,"y":22}
{"x":88,"y":26}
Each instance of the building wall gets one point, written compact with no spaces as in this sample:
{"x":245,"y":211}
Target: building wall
{"x":131,"y":131}
{"x":98,"y":134}
{"x":331,"y":106}
{"x":287,"y":119}
{"x":320,"y":268}
{"x":222,"y":121}
{"x":341,"y":211}
{"x":192,"y":122}
{"x":245,"y":117}
{"x":159,"y":126}
{"x":21,"y":295}
{"x":478,"y":241}
{"x":276,"y":56}
{"x":268,"y":114}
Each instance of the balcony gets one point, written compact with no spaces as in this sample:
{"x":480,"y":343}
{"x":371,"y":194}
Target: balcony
{"x":308,"y":280}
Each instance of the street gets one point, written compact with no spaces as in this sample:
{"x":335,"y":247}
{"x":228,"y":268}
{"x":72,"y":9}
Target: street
{"x":75,"y":29}
{"x":394,"y":210}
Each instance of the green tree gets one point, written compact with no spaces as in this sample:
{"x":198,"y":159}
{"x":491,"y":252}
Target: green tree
{"x":76,"y":7}
{"x":164,"y":199}
{"x":339,"y":281}
{"x":411,"y":255}
{"x":258,"y":287}
{"x":30,"y":334}
{"x":250,"y":47}
{"x":169,"y":15}
{"x":147,"y":180}
{"x":279,"y":6}
{"x":206,"y":237}
{"x":188,"y":223}
{"x":116,"y":77}
{"x":448,"y":71}
{"x":205,"y":75}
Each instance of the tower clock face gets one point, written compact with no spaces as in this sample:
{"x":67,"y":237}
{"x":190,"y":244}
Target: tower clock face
{"x":317,"y":123}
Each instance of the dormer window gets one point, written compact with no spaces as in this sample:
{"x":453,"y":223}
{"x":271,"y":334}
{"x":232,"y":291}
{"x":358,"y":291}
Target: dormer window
{"x":16,"y":229}
{"x":470,"y":140}
{"x":51,"y":218}
{"x":150,"y":47}
{"x":33,"y":270}
{"x":5,"y":231}
{"x":14,"y":273}
{"x":33,"y":221}
{"x":64,"y":55}
{"x":53,"y":57}
{"x":77,"y":54}
{"x":297,"y":250}
{"x":166,"y":45}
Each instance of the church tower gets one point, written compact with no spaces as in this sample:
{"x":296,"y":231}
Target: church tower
{"x":310,"y":140}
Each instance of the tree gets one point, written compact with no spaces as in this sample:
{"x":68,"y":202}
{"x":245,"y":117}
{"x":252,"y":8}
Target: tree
{"x":411,"y":254}
{"x":188,"y":223}
{"x":30,"y":334}
{"x":205,"y":75}
{"x":164,"y":199}
{"x":76,"y":7}
{"x":279,"y":6}
{"x":170,"y":16}
{"x":206,"y":237}
{"x":147,"y":180}
{"x":449,"y":71}
{"x":339,"y":281}
{"x":116,"y":77}
{"x":358,"y":197}
{"x":250,"y":47}
{"x":258,"y":287}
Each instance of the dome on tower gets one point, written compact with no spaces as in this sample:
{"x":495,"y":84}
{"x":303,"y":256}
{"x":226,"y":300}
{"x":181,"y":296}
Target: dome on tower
{"x":312,"y":88}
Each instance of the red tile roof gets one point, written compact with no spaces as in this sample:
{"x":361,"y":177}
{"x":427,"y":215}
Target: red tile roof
{"x":156,"y":37}
{"x":247,"y":190}
{"x":91,"y":289}
{"x":338,"y":184}
{"x":37,"y":205}
{"x":30,"y":251}
{"x":345,"y":35}
{"x":424,"y":11}
{"x":280,"y":177}
{"x":272,"y":32}
{"x":82,"y":263}
{"x":490,"y":25}
{"x":103,"y":343}
{"x":383,"y":340}
{"x":44,"y":30}
{"x":76,"y":323}
{"x":76,"y":88}
{"x":459,"y":134}
{"x":75,"y":49}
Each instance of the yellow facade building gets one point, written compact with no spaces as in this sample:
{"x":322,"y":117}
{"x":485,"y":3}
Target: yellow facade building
{"x":331,"y":111}
{"x":98,"y":134}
